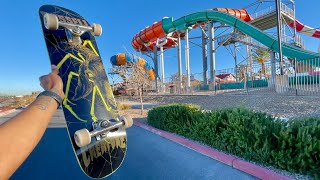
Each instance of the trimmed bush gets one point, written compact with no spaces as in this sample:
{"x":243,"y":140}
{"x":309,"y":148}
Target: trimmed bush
{"x":292,"y":145}
{"x":174,"y":118}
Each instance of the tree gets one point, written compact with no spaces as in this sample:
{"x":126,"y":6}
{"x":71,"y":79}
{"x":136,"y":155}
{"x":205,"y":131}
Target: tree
{"x":261,"y":56}
{"x":138,"y":80}
{"x":242,"y":72}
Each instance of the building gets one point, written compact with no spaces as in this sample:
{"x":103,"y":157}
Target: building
{"x":225,"y":78}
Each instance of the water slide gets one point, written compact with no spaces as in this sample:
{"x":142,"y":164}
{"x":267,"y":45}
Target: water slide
{"x":167,"y":28}
{"x":304,"y":29}
{"x":123,"y":59}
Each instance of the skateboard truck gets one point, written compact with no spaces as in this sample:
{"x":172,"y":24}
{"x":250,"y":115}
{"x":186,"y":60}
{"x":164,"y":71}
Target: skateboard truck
{"x":99,"y":125}
{"x":51,"y":22}
{"x":83,"y":137}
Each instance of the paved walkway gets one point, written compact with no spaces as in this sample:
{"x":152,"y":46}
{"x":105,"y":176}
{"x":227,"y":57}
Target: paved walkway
{"x":137,"y":105}
{"x":149,"y":156}
{"x":57,"y":121}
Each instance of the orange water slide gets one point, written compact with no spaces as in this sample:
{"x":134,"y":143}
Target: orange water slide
{"x":146,"y":39}
{"x":239,"y":13}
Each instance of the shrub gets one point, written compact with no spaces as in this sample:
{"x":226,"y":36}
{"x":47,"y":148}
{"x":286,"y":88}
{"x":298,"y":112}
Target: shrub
{"x":298,"y":147}
{"x":173,"y":118}
{"x":292,"y":145}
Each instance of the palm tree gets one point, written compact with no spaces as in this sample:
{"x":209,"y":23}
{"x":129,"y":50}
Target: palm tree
{"x":261,"y":56}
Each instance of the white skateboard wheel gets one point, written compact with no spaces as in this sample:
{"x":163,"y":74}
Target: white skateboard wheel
{"x":127,"y":121}
{"x":96,"y":29}
{"x":51,"y":21}
{"x":82,"y":137}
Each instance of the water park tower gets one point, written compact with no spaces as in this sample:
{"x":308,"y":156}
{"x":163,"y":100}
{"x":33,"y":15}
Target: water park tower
{"x":246,"y":26}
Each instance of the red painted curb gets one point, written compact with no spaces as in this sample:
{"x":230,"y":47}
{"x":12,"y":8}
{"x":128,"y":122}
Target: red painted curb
{"x":257,"y":171}
{"x":236,"y":163}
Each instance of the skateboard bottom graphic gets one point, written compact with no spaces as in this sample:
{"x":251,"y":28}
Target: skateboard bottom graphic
{"x":96,"y":131}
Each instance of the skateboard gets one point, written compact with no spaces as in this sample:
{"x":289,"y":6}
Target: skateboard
{"x":97,"y":132}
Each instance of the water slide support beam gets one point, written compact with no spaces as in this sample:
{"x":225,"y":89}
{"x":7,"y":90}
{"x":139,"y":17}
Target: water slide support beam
{"x":211,"y":50}
{"x":235,"y":61}
{"x":273,"y":68}
{"x":187,"y":59}
{"x":294,"y":22}
{"x":204,"y":58}
{"x":155,"y":62}
{"x":278,"y":7}
{"x":179,"y":64}
{"x":162,"y":69}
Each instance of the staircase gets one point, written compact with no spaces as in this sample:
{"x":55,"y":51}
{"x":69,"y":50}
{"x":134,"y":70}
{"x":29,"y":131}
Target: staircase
{"x":237,"y":36}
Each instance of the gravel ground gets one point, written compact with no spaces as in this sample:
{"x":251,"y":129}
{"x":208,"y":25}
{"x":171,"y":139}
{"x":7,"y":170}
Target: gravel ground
{"x":135,"y":113}
{"x":277,"y":105}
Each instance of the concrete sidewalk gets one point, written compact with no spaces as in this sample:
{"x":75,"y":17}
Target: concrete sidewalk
{"x":57,"y":120}
{"x":137,"y":105}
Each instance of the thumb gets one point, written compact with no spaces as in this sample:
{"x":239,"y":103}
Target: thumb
{"x":54,"y":69}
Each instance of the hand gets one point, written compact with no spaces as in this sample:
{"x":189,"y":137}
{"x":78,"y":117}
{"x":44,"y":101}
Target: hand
{"x":52,"y":82}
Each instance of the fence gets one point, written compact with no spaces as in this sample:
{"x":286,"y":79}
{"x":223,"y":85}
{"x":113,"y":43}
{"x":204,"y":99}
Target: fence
{"x":272,"y":9}
{"x":298,"y":78}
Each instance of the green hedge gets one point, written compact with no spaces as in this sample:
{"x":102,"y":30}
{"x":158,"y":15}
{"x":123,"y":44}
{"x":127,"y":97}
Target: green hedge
{"x":292,"y":145}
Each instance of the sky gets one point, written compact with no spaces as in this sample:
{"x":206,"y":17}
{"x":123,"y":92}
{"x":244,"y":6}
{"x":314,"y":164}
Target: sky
{"x":24,"y":56}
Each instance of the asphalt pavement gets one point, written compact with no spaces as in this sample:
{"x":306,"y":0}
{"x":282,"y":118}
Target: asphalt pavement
{"x":149,"y":156}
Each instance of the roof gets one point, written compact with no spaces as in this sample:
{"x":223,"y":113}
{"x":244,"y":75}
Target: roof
{"x":222,"y":76}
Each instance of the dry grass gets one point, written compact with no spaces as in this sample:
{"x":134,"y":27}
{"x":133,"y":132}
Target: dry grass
{"x":5,"y":108}
{"x":122,"y":106}
{"x":11,"y":102}
{"x":135,"y":114}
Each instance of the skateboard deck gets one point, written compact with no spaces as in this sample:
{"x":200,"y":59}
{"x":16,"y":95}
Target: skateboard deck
{"x":96,"y":130}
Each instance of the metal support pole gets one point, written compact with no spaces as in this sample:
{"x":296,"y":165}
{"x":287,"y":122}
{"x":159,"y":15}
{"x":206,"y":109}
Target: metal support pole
{"x":204,"y":58}
{"x":278,"y":7}
{"x":155,"y":61}
{"x":250,"y":59}
{"x":235,"y":62}
{"x":247,"y":66}
{"x":179,"y":64}
{"x":162,"y":69}
{"x":294,"y":22}
{"x":284,"y":34}
{"x":295,"y":76}
{"x":211,"y":50}
{"x":273,"y":69}
{"x":187,"y":60}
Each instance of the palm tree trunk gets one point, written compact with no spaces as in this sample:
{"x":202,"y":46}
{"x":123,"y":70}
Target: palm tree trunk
{"x":263,"y":69}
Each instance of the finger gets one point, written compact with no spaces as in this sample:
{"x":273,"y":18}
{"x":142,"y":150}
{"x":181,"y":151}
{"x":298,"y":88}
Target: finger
{"x":41,"y":78}
{"x":45,"y":82}
{"x":54,"y":69}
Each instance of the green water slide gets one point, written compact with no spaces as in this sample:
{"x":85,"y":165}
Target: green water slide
{"x":188,"y":21}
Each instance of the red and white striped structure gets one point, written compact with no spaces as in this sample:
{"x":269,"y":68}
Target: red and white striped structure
{"x":305,"y":29}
